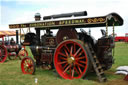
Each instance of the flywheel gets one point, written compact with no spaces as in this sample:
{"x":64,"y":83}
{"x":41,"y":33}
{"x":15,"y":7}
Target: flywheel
{"x":65,"y":34}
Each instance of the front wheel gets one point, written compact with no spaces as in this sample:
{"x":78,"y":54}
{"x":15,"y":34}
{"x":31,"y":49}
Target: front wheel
{"x":28,"y":65}
{"x":71,"y":59}
{"x":12,"y":55}
{"x":3,"y":53}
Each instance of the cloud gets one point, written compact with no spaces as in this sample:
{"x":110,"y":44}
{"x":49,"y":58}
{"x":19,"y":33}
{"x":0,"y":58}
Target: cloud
{"x":49,"y":7}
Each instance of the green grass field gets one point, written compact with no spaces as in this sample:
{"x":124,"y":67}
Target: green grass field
{"x":10,"y":73}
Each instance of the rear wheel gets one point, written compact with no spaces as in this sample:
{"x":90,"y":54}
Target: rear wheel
{"x":28,"y":65}
{"x":3,"y":54}
{"x":71,"y":60}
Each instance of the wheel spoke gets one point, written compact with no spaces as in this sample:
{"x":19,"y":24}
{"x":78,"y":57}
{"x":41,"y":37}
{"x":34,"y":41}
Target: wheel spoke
{"x":83,"y":57}
{"x":80,"y":53}
{"x":66,"y":52}
{"x":65,"y":65}
{"x":63,"y":58}
{"x":76,"y":70}
{"x":66,"y":69}
{"x":32,"y":67}
{"x":73,"y":72}
{"x":80,"y":65}
{"x":62,"y":62}
{"x":66,"y":47}
{"x":27,"y":69}
{"x":77,"y":51}
{"x":28,"y":62}
{"x":62,"y":54}
{"x":24,"y":64}
{"x":84,"y":62}
{"x":71,"y":51}
{"x":79,"y":69}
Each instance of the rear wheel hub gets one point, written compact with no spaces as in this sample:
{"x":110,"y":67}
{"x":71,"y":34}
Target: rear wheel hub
{"x":70,"y":60}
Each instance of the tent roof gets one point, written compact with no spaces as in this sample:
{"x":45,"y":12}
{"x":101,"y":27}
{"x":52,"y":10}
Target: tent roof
{"x":9,"y":33}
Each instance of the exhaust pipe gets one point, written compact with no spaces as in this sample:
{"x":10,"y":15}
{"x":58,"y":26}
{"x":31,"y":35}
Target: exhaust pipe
{"x":17,"y":38}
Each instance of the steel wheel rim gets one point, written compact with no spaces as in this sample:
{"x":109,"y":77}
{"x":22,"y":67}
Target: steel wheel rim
{"x":71,"y":61}
{"x":3,"y":54}
{"x":27,"y":66}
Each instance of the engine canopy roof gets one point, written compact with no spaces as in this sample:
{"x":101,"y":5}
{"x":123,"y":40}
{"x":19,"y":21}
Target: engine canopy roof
{"x":100,"y":21}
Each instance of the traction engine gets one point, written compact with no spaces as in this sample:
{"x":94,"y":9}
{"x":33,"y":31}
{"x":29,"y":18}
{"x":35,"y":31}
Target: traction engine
{"x":9,"y":48}
{"x":73,"y":54}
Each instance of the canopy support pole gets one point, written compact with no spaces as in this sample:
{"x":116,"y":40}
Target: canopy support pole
{"x":29,"y":29}
{"x":20,"y":35}
{"x":106,"y":29}
{"x":113,"y":30}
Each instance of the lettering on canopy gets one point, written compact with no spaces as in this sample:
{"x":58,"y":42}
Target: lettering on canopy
{"x":71,"y":22}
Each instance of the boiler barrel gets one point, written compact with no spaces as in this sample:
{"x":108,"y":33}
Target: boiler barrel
{"x":39,"y":49}
{"x":75,"y":14}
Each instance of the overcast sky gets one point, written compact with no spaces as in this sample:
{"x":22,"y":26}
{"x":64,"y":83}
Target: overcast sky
{"x":17,"y":11}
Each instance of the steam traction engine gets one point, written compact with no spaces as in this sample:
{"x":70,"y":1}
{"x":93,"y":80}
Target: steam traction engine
{"x":9,"y":48}
{"x":73,"y":54}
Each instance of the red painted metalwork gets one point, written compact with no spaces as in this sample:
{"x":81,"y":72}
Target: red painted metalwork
{"x":119,"y":38}
{"x":9,"y":46}
{"x":126,"y":78}
{"x":71,"y":60}
{"x":27,"y":65}
{"x":122,"y":38}
{"x":3,"y":53}
{"x":22,"y":53}
{"x":12,"y":55}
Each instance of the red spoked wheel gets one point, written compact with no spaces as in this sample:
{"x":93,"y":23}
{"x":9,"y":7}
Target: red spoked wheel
{"x":3,"y":54}
{"x":22,"y":53}
{"x":12,"y":55}
{"x":71,"y":59}
{"x":28,"y":65}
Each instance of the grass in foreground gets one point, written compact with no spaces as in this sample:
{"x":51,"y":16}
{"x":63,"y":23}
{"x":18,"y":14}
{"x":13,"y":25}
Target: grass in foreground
{"x":10,"y":73}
